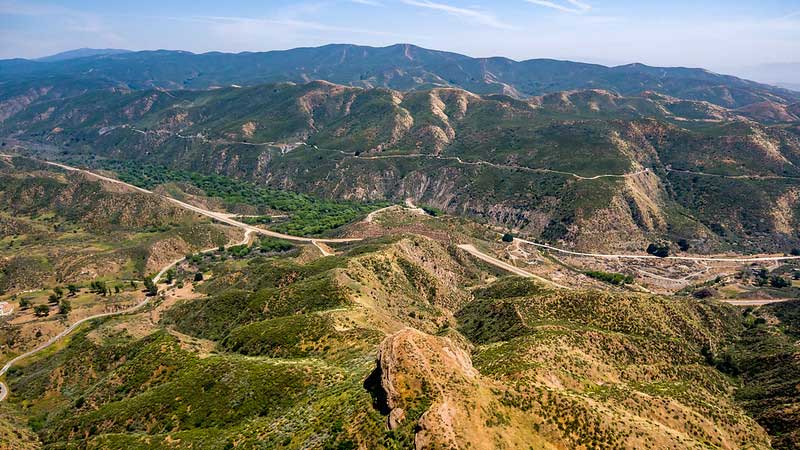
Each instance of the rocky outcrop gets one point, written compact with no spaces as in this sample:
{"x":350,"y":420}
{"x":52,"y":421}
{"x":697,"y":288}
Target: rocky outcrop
{"x":430,"y":380}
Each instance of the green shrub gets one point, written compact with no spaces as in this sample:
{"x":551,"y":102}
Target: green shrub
{"x":273,"y":245}
{"x":618,"y":279}
{"x":307,"y":215}
{"x":660,"y":250}
{"x":432,"y":211}
{"x":779,"y":282}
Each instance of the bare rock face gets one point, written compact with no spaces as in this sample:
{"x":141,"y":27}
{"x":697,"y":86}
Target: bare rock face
{"x":419,"y":370}
{"x":416,"y":367}
{"x":396,"y":417}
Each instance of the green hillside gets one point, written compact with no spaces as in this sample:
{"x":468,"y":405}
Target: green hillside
{"x":555,"y":167}
{"x":281,"y":352}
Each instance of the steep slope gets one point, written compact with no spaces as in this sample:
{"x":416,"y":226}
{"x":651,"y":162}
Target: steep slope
{"x":564,"y":166}
{"x":609,"y":370}
{"x":396,"y":343}
{"x":768,"y":361}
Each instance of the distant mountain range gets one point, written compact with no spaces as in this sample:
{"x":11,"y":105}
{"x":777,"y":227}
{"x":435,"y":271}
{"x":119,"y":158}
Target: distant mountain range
{"x":82,"y":53}
{"x":401,"y":67}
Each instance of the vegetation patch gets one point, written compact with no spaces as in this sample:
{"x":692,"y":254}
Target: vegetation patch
{"x":308,"y":215}
{"x":618,"y":279}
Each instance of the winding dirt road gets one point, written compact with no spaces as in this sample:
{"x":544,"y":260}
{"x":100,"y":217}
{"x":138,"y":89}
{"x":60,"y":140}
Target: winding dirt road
{"x":71,"y":328}
{"x":469,"y":248}
{"x":225,"y":218}
{"x":218,"y":216}
{"x":757,"y":302}
{"x":495,"y":165}
{"x":734,"y":177}
{"x":221,"y":217}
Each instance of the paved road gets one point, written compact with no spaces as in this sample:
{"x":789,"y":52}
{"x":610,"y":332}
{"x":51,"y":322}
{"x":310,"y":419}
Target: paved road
{"x":680,"y":258}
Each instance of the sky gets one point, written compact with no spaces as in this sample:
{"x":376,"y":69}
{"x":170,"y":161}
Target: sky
{"x":727,"y":36}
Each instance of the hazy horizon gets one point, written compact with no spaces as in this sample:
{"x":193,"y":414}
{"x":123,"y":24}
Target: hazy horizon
{"x":746,"y":39}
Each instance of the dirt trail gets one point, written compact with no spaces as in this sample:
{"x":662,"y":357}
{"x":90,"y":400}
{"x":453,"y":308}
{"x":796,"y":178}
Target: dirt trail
{"x":735,"y":177}
{"x":469,"y":248}
{"x":756,"y":302}
{"x":74,"y":326}
{"x":218,"y":216}
{"x":495,"y":165}
{"x":324,"y":249}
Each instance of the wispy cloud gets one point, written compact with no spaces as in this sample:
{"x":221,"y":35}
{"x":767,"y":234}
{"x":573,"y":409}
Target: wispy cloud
{"x":248,"y":22}
{"x":792,"y":15}
{"x":474,"y":15}
{"x":72,"y":20}
{"x":367,"y":2}
{"x":569,"y":6}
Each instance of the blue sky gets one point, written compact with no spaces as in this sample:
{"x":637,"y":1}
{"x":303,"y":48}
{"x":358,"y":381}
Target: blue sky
{"x":724,"y":36}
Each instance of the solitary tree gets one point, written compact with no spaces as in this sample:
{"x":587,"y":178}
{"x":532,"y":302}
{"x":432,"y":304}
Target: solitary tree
{"x":660,"y":250}
{"x":24,"y":303}
{"x":508,"y":237}
{"x":64,"y":307}
{"x":151,"y":287}
{"x":41,"y":310}
{"x":198,"y":276}
{"x":72,"y":289}
{"x":777,"y":281}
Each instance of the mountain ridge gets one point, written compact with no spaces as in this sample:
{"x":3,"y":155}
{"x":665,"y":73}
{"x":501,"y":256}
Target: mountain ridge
{"x":579,"y":156}
{"x":401,"y":67}
{"x":83,"y":52}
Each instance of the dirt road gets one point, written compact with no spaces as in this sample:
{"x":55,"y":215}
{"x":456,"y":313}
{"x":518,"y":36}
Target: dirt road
{"x":679,"y":258}
{"x":495,"y":165}
{"x":757,"y":302}
{"x":218,"y":216}
{"x":74,"y":326}
{"x":469,"y":248}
